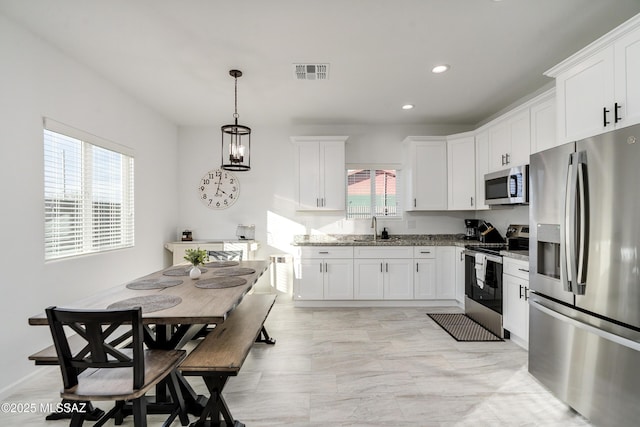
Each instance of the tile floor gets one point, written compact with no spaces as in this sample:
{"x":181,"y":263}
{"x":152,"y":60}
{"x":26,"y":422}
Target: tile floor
{"x":364,"y":367}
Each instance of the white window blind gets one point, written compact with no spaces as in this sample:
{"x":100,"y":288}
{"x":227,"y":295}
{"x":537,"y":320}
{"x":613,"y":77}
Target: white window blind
{"x":88,"y":193}
{"x":373,"y":192}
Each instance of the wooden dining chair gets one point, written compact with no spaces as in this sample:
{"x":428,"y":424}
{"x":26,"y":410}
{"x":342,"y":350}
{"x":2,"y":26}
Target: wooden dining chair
{"x":99,"y":371}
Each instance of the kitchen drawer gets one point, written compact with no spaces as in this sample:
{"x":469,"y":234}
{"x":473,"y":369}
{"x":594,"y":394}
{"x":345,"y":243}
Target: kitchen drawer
{"x":386,"y":252}
{"x":326,"y":252}
{"x":515,"y":267}
{"x":424,"y":252}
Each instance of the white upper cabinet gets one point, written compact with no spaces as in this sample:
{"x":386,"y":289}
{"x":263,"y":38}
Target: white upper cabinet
{"x":482,"y":167}
{"x":426,"y":173}
{"x":510,"y":141}
{"x":461,"y":172}
{"x":543,"y":123}
{"x":598,"y":88}
{"x":320,"y":172}
{"x":627,"y":78}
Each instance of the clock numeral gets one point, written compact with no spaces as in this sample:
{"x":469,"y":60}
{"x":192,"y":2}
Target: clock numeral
{"x":205,"y":181}
{"x":204,"y":196}
{"x":218,"y":204}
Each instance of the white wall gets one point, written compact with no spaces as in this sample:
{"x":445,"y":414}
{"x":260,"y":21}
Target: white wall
{"x":267,"y":191}
{"x":35,"y":81}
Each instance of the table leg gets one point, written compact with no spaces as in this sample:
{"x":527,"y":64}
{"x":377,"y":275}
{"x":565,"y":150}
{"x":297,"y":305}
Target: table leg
{"x":168,"y":337}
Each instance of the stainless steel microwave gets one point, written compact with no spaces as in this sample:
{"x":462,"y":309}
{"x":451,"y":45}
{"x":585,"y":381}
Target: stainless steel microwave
{"x":507,"y":187}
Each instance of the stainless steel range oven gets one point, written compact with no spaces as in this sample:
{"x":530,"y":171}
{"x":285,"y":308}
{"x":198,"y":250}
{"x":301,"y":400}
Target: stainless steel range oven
{"x":483,"y":287}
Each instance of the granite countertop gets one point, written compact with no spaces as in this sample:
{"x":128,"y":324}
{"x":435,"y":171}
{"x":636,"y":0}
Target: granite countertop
{"x":394,"y":240}
{"x":521,"y":255}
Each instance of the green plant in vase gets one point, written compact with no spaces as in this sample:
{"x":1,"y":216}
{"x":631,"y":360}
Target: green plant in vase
{"x":196,"y":257}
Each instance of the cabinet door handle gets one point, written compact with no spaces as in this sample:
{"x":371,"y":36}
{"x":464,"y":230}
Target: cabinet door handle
{"x":326,"y":267}
{"x":380,"y":267}
{"x":502,"y":159}
{"x":507,"y":157}
{"x":523,"y":269}
{"x":323,"y":252}
{"x":321,"y":267}
{"x":415,"y":203}
{"x":526,"y":293}
{"x":386,"y":266}
{"x":604,"y":116}
{"x":425,"y":252}
{"x":471,"y":200}
{"x":520,"y":292}
{"x":417,"y":271}
{"x":616,"y":116}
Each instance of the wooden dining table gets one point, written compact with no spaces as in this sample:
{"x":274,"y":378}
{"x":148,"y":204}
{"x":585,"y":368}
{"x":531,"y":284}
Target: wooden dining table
{"x":197,"y":303}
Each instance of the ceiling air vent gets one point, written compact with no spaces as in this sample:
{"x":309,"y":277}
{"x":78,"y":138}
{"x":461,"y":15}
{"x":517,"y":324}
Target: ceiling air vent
{"x":311,"y":71}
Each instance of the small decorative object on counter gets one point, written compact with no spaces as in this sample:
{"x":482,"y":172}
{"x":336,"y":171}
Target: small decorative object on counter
{"x":385,"y":233}
{"x":187,"y":236}
{"x":196,"y":257}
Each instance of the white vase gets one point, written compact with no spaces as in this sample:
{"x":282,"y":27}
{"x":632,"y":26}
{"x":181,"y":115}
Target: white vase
{"x":195,"y":272}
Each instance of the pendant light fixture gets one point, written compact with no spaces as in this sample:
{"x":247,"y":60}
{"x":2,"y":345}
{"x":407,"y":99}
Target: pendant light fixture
{"x":236,"y":139}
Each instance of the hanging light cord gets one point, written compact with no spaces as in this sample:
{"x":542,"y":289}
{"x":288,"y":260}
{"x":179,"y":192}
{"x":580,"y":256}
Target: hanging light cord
{"x":235,"y":114}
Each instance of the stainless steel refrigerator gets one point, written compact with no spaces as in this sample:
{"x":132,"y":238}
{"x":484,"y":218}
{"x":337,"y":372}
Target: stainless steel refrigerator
{"x":584,"y":324}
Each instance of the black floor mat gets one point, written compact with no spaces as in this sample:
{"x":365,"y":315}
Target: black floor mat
{"x":463,"y":328}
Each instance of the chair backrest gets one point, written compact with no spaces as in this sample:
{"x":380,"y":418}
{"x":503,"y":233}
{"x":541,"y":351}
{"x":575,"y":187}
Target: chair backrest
{"x":97,"y":327}
{"x":226,"y":255}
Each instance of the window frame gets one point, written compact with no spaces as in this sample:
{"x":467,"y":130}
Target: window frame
{"x":399,"y":190}
{"x":102,"y":210}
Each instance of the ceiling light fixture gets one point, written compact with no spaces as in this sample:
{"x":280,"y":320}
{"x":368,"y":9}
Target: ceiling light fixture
{"x":407,"y":107}
{"x":237,"y":139}
{"x":440,"y":68}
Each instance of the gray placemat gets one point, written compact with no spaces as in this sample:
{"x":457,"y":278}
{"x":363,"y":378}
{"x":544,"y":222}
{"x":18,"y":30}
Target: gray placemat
{"x":144,"y":284}
{"x":218,"y":264}
{"x":220,"y":282}
{"x":149,"y":303}
{"x":231,"y":271}
{"x":182,"y":271}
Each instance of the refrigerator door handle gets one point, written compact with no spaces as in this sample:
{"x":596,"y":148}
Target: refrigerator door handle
{"x":568,"y":259}
{"x":581,"y":276}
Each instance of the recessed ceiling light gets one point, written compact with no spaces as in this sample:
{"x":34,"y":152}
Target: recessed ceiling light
{"x":440,"y":68}
{"x":407,"y":107}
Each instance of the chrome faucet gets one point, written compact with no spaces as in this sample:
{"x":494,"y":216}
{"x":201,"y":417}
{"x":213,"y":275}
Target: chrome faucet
{"x":374,"y":225}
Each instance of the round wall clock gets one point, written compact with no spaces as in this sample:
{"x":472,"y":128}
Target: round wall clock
{"x":219,"y":189}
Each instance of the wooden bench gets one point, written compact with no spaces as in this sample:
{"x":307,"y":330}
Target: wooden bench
{"x":223,"y":351}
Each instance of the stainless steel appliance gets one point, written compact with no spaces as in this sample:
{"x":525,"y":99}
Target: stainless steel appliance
{"x":471,"y":226}
{"x":518,"y":237}
{"x":584,"y":324}
{"x":507,"y":187}
{"x":246,"y":232}
{"x":483,"y":286}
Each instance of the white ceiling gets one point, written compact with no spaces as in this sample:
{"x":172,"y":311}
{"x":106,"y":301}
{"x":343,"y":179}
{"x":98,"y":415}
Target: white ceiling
{"x":175,"y":55}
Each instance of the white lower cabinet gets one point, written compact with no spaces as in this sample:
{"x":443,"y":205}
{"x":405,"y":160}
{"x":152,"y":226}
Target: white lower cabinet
{"x":445,"y":272}
{"x":324,"y":273}
{"x":460,"y":275}
{"x":383,"y":273}
{"x":424,"y":274}
{"x":363,"y":273}
{"x":515,"y":282}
